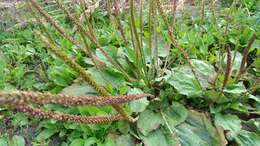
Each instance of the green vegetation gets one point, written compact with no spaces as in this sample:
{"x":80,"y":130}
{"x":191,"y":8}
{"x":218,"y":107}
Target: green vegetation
{"x":196,"y":69}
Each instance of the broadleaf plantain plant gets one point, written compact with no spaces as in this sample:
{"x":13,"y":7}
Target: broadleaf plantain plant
{"x":185,"y":68}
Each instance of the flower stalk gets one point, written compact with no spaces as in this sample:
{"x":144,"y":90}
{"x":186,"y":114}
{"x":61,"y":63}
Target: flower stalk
{"x":245,"y":55}
{"x":82,"y":72}
{"x":52,"y":21}
{"x":228,"y":69}
{"x":23,"y":97}
{"x":175,"y":42}
{"x":66,"y":117}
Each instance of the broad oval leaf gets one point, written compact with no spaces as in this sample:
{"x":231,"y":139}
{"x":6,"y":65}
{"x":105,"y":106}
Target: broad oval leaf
{"x":203,"y":67}
{"x":184,"y":83}
{"x":149,"y":121}
{"x":106,"y":76}
{"x":158,"y":137}
{"x":79,"y":89}
{"x":140,"y":104}
{"x":176,"y":114}
{"x":77,"y":142}
{"x":228,"y":122}
{"x":18,"y":140}
{"x":246,"y":138}
{"x":235,"y":88}
{"x":198,"y":130}
{"x":125,"y":140}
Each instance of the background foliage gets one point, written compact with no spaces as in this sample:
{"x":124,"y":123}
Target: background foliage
{"x":188,"y":109}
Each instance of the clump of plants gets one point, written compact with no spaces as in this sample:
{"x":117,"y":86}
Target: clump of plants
{"x":187,"y":80}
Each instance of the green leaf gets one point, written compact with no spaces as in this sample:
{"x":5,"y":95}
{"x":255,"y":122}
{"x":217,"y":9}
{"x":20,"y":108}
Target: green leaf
{"x":140,"y":104}
{"x":61,"y":75}
{"x":198,"y":130}
{"x":125,"y":140}
{"x":90,"y":141}
{"x":3,"y":142}
{"x":45,"y":134}
{"x":2,"y":71}
{"x":18,"y":141}
{"x":256,"y":98}
{"x":77,"y":142}
{"x":246,"y":138}
{"x":79,"y":89}
{"x":176,"y":114}
{"x":123,"y":126}
{"x":203,"y":67}
{"x":20,"y":119}
{"x":106,"y":76}
{"x":158,"y":138}
{"x":108,"y":142}
{"x":237,"y":62}
{"x":163,"y":48}
{"x":228,"y":122}
{"x":149,"y":121}
{"x":235,"y":88}
{"x":184,"y":83}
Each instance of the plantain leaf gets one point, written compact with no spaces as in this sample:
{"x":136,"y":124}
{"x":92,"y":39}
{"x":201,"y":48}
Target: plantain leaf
{"x":18,"y":140}
{"x":158,"y":138}
{"x":79,"y":89}
{"x":77,"y":142}
{"x":176,"y":114}
{"x":106,"y":76}
{"x":140,"y":104}
{"x":246,"y":138}
{"x":149,"y":121}
{"x":198,"y":130}
{"x":203,"y":67}
{"x":228,"y":122}
{"x":185,"y":84}
{"x":125,"y":140}
{"x":235,"y":88}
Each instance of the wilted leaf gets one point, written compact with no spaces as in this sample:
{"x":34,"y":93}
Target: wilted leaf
{"x":149,"y":121}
